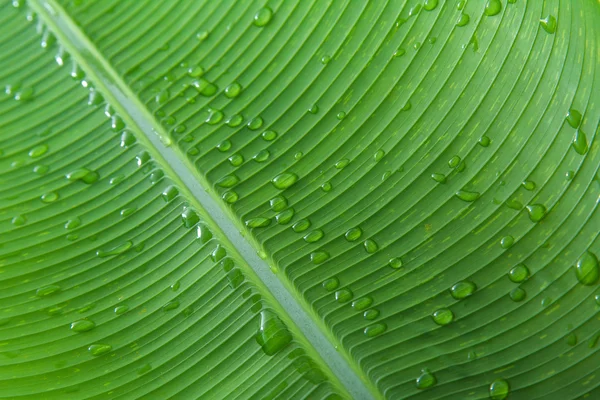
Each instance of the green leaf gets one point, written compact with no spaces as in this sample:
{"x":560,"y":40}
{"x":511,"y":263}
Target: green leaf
{"x":299,"y":199}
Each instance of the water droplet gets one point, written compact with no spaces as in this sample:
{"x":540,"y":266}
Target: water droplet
{"x":319,"y":257}
{"x":484,"y":141}
{"x":454,"y":161}
{"x":343,"y":295}
{"x":587,"y":269}
{"x":517,"y":295}
{"x":204,"y":87}
{"x":425,"y":380}
{"x":375,"y":329}
{"x":371,"y":314}
{"x":162,"y":97}
{"x":429,"y":5}
{"x":507,"y":242}
{"x":395,"y":263}
{"x":440,"y":178}
{"x":171,"y":305}
{"x":82,"y":325}
{"x":313,"y":109}
{"x":362,"y":304}
{"x":49,"y":197}
{"x":326,"y":187}
{"x":325,"y":59}
{"x":228,"y":181}
{"x":399,"y":52}
{"x":278,"y":203}
{"x":353,"y":234}
{"x":341,"y":115}
{"x":284,"y":180}
{"x":499,"y":389}
{"x":255,"y":123}
{"x":261,"y":156}
{"x":196,"y":71}
{"x":230,"y":197}
{"x":236,"y":160}
{"x":41,"y":169}
{"x":19,"y":220}
{"x":224,"y":146}
{"x":463,"y":19}
{"x":313,"y":236}
{"x":269,"y":135}
{"x":263,"y":16}
{"x":121,"y":310}
{"x":38,"y":151}
{"x":233,"y":90}
{"x":528,"y":185}
{"x":492,"y":7}
{"x":47,"y":290}
{"x":119,"y":249}
{"x":301,"y":225}
{"x":331,"y":284}
{"x":342,"y":163}
{"x":203,"y":233}
{"x":537,"y":212}
{"x":202,"y":35}
{"x":574,"y":118}
{"x":169,"y":193}
{"x":84,"y":175}
{"x":462,"y":289}
{"x":127,"y":139}
{"x":467,"y":196}
{"x":25,"y":94}
{"x":370,"y":246}
{"x":235,"y":121}
{"x":258,"y":222}
{"x":99,"y":349}
{"x":73,"y":223}
{"x":580,"y":142}
{"x":518,"y":273}
{"x":548,"y":24}
{"x":443,"y":316}
{"x":273,"y":336}
{"x":285,"y":216}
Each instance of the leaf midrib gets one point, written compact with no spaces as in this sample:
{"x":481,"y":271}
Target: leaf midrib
{"x":309,"y":328}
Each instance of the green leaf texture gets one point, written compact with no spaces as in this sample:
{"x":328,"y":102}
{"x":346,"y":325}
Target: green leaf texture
{"x":420,"y":177}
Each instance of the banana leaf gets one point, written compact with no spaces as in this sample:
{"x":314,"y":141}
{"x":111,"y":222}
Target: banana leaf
{"x":299,"y":199}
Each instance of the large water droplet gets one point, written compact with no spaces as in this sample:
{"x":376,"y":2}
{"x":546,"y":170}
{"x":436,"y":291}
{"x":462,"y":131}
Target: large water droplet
{"x":587,"y":269}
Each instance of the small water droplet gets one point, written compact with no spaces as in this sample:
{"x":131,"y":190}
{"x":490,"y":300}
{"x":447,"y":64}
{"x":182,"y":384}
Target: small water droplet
{"x":84,"y":175}
{"x":314,"y":236}
{"x":284,"y":180}
{"x":263,"y":16}
{"x":587,"y":269}
{"x":319,"y":257}
{"x":396,"y":263}
{"x":273,"y":336}
{"x":38,"y":151}
{"x":463,"y":20}
{"x":301,"y":225}
{"x":342,"y":163}
{"x":49,"y":197}
{"x":499,"y":389}
{"x":529,"y":185}
{"x":462,"y":289}
{"x":425,"y":380}
{"x":119,"y":249}
{"x":519,"y":273}
{"x":430,"y":5}
{"x":537,"y":212}
{"x":82,"y":325}
{"x":99,"y":349}
{"x":343,"y":295}
{"x":362,"y":304}
{"x":443,"y":316}
{"x":517,"y":295}
{"x":549,"y":24}
{"x":228,"y":181}
{"x":331,"y":284}
{"x":269,"y":135}
{"x":255,"y":123}
{"x":341,"y":115}
{"x":235,"y":121}
{"x":580,"y":142}
{"x":507,"y":242}
{"x":375,"y":329}
{"x":171,"y":305}
{"x":353,"y":234}
{"x":440,"y":178}
{"x":574,"y":118}
{"x":467,"y":196}
{"x":492,"y":7}
{"x":370,"y":246}
{"x":258,"y":222}
{"x":121,"y":310}
{"x":371,"y":314}
{"x":204,"y":87}
{"x":484,"y":141}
